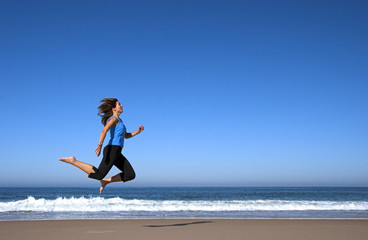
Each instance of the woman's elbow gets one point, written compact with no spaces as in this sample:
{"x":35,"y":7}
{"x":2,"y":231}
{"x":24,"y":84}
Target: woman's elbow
{"x":128,"y":136}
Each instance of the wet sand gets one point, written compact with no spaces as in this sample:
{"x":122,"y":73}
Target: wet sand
{"x":177,"y":229}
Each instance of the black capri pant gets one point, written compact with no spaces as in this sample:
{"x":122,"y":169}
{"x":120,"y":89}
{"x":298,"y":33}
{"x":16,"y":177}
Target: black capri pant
{"x":112,"y":156}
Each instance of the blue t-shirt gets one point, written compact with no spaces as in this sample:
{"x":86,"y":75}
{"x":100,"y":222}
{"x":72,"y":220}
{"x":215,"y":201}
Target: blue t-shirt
{"x":117,"y":134}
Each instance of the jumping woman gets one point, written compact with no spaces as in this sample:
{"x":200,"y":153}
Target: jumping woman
{"x":109,"y":110}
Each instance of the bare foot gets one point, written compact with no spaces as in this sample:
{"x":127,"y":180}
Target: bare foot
{"x":103,"y":185}
{"x":70,"y":160}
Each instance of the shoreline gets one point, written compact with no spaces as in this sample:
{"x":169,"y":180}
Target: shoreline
{"x":214,"y":229}
{"x":176,"y":218}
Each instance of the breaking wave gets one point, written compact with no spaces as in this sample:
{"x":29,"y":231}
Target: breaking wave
{"x":116,"y":204}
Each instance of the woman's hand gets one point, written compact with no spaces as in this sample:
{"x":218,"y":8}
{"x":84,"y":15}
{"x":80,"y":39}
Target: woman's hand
{"x":98,"y":150}
{"x":132,"y":134}
{"x":140,"y":129}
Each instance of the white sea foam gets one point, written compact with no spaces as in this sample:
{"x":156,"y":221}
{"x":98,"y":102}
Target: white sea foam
{"x":97,"y":204}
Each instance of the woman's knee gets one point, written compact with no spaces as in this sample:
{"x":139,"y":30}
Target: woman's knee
{"x":96,"y":175}
{"x":128,"y":176}
{"x":132,"y":176}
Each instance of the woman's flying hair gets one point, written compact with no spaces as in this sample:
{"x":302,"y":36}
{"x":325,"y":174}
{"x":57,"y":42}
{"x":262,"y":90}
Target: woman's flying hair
{"x":105,"y":109}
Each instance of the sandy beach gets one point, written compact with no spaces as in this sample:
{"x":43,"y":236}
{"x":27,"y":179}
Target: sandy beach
{"x":213,"y":229}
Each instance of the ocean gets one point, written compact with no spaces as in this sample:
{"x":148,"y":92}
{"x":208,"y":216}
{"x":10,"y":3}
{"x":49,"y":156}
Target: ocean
{"x":58,"y":203}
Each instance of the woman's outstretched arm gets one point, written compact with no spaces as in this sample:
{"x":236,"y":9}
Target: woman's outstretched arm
{"x":132,"y":134}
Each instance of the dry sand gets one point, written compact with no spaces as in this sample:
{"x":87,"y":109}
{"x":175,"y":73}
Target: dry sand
{"x":176,"y":229}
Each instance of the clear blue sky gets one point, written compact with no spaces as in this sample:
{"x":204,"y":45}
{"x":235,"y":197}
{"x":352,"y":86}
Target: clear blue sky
{"x":234,"y":93}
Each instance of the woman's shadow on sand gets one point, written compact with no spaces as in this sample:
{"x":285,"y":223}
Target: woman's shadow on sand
{"x":179,"y":224}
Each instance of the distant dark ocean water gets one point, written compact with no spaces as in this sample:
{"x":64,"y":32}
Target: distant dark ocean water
{"x":183,"y":202}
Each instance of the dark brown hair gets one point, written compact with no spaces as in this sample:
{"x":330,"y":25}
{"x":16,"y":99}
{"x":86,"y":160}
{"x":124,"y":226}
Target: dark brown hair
{"x":105,"y":109}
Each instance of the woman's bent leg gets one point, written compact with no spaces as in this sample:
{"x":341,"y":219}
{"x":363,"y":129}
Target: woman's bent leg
{"x":124,"y":165}
{"x":127,"y":173}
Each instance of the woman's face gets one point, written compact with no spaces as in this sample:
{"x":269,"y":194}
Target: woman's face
{"x":118,"y":107}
